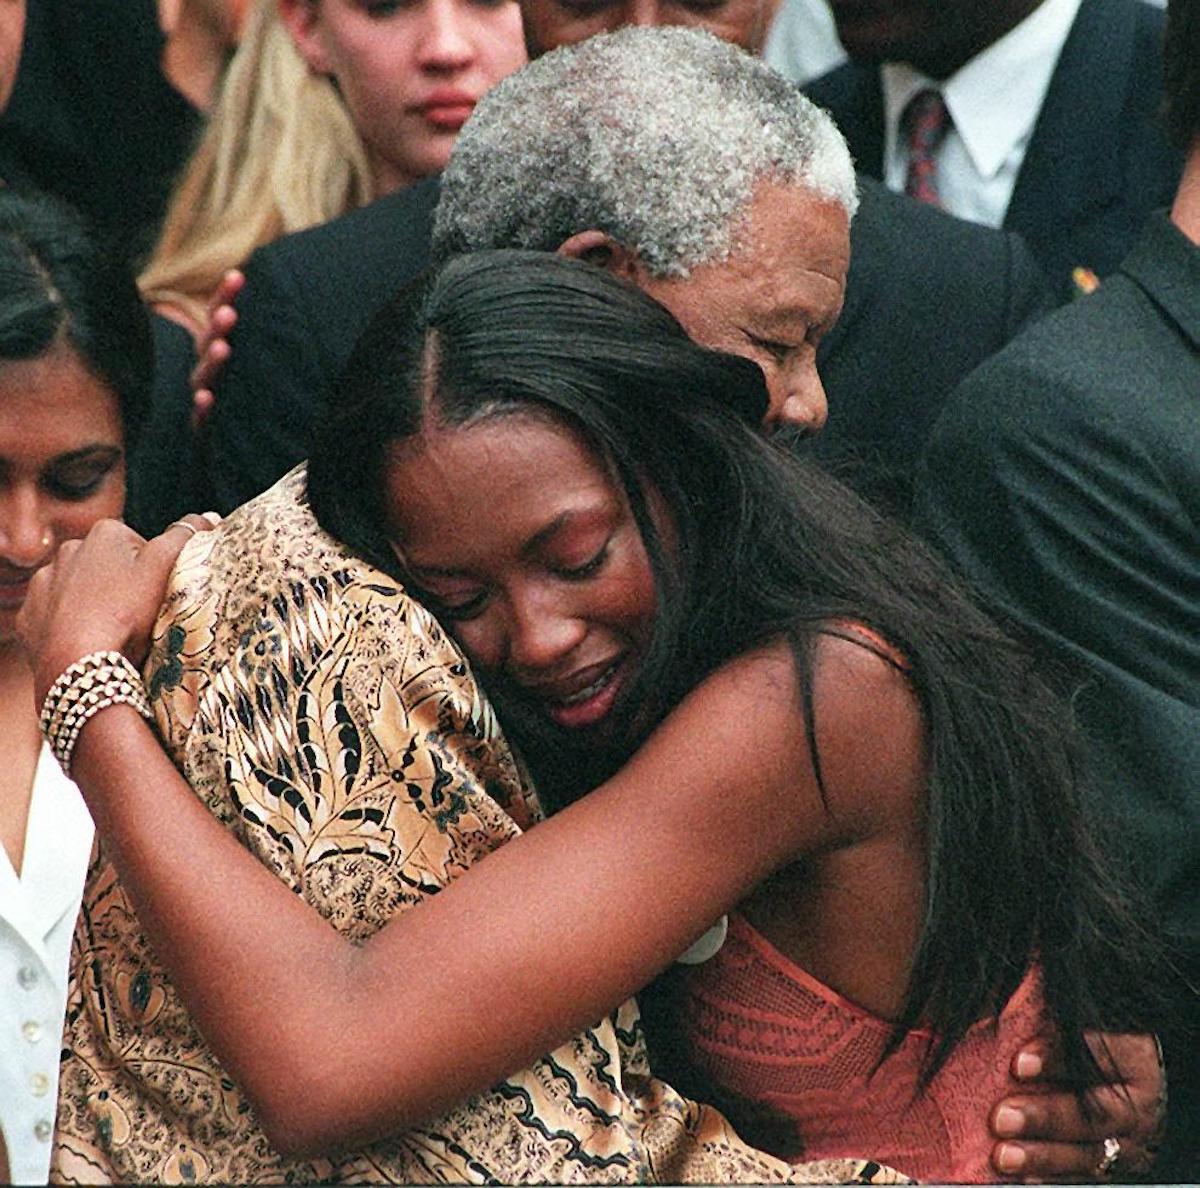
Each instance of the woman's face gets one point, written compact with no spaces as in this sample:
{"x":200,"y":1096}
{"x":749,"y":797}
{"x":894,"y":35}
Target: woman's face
{"x":62,"y":466}
{"x":410,"y":71}
{"x":525,"y":548}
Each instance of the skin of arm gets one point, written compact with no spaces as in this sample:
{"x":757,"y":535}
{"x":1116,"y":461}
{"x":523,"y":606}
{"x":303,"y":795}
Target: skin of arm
{"x":498,"y":983}
{"x":622,"y":881}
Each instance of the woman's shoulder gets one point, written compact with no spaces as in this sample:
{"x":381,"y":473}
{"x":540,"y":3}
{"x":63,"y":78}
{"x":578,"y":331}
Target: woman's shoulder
{"x":849,"y":669}
{"x":841,"y":719}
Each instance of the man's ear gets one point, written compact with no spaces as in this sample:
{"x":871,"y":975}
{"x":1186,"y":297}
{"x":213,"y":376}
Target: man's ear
{"x":302,"y":19}
{"x":600,"y":249}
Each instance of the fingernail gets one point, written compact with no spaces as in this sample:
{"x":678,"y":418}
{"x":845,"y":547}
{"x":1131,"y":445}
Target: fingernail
{"x":1010,"y":1121}
{"x":1011,"y":1158}
{"x":1029,"y":1066}
{"x":214,"y":518}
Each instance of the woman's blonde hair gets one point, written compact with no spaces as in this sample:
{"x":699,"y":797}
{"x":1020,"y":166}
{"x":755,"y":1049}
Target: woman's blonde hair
{"x":280,"y":153}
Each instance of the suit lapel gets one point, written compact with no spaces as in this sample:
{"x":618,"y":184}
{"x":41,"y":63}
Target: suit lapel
{"x":1166,"y":265}
{"x":853,"y":95}
{"x":1073,"y":157}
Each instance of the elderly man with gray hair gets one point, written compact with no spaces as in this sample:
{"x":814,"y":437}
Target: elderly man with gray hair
{"x":299,"y":673}
{"x":737,"y":222}
{"x":928,"y":297}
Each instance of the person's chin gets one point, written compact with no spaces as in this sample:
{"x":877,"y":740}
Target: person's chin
{"x":8,"y":629}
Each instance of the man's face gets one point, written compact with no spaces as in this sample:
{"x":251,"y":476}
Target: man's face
{"x":551,"y":23}
{"x":773,"y":299}
{"x":936,"y":36}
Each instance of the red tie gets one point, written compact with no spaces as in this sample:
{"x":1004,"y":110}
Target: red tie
{"x":925,"y":122}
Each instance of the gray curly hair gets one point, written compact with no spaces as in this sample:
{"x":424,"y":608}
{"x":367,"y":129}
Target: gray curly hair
{"x":656,"y":136}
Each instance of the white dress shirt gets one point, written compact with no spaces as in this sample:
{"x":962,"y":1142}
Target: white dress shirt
{"x":803,"y":43}
{"x":37,"y":917}
{"x":994,"y":101}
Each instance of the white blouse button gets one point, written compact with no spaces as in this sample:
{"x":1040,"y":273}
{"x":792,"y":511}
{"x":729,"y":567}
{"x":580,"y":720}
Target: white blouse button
{"x":42,"y":1130}
{"x":40,"y":1084}
{"x":27,"y":976}
{"x":31,"y":1029}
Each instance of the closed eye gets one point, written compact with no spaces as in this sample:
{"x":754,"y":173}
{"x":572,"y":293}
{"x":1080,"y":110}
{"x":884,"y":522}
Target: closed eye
{"x":74,"y":478}
{"x":587,"y":569}
{"x":379,"y":9}
{"x":459,"y":610}
{"x":779,"y":351}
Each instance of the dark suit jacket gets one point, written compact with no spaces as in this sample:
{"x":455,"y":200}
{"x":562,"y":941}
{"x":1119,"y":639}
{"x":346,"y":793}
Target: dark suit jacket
{"x":92,"y":118}
{"x":307,"y":298}
{"x":1064,"y":480}
{"x":928,"y":298}
{"x":165,"y":473}
{"x":1098,"y":162}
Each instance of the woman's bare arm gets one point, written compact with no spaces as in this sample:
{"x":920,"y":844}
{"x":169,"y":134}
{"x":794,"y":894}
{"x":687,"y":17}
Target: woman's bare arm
{"x":538,"y":941}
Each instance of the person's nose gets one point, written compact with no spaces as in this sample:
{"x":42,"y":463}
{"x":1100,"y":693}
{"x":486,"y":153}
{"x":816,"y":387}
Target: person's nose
{"x":445,"y":41}
{"x":544,"y":629}
{"x":797,"y":400}
{"x":26,"y":532}
{"x":644,"y":13}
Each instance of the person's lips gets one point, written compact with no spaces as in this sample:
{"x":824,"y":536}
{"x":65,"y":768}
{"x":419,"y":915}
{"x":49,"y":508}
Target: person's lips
{"x":447,"y":108}
{"x":586,"y":697}
{"x":13,"y":588}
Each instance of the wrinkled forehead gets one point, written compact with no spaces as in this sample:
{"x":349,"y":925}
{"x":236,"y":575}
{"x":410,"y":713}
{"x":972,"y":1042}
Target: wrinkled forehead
{"x":553,"y":23}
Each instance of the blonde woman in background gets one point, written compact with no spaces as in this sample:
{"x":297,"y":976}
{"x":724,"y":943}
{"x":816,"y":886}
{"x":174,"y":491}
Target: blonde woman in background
{"x":327,"y":105}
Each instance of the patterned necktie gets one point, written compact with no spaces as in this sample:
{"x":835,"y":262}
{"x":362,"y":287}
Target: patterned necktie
{"x":925,"y":123}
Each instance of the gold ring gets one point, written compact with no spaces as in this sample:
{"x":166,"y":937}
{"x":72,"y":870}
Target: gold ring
{"x":1112,"y":1152}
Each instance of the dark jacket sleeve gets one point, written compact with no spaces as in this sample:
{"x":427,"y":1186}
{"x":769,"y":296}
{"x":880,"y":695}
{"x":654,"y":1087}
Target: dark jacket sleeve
{"x":166,"y":477}
{"x":306,"y":299}
{"x":928,"y":298}
{"x":1067,"y":495}
{"x":270,"y":390}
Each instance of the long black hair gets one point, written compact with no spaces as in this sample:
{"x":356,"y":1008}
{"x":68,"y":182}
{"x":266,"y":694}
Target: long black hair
{"x":766,"y":546}
{"x":60,"y":287}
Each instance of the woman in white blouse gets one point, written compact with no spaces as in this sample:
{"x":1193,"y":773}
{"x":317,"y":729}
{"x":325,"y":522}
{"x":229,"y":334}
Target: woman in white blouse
{"x":75,"y":368}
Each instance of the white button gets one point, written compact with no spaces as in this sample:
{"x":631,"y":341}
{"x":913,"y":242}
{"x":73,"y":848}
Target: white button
{"x":31,"y":1030}
{"x":40,"y":1084}
{"x":42,"y":1130}
{"x":27,"y":976}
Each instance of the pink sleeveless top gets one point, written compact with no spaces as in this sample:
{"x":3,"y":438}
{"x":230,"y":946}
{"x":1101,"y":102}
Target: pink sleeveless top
{"x":796,"y":1060}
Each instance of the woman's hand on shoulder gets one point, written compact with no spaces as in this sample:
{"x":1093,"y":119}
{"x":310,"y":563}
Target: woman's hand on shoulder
{"x":101,"y":593}
{"x":212,"y":347}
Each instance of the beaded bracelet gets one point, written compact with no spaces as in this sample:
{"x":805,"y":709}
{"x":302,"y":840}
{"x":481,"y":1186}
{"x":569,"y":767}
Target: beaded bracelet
{"x":92,"y":683}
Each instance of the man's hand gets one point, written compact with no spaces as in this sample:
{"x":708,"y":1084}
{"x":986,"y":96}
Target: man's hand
{"x":212,"y":348}
{"x":101,"y":593}
{"x":1045,"y":1135}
